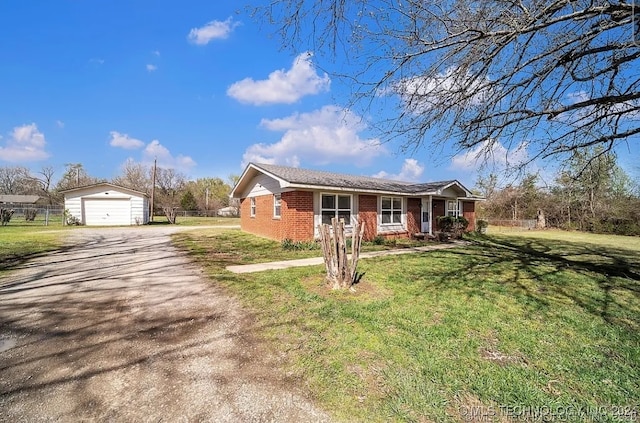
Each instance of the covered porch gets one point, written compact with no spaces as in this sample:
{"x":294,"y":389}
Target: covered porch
{"x":422,"y":212}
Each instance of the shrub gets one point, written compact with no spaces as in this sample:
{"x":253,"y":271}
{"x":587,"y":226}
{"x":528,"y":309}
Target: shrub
{"x":5,"y":216}
{"x":289,"y":245}
{"x":378,"y":240}
{"x":390,"y":242}
{"x":70,"y":219}
{"x":453,"y":226}
{"x":463,"y":222}
{"x":445,"y":223}
{"x":481,"y":226}
{"x":30,"y":214}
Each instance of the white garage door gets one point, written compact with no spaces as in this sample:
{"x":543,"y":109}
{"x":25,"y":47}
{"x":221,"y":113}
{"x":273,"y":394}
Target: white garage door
{"x":107,"y":212}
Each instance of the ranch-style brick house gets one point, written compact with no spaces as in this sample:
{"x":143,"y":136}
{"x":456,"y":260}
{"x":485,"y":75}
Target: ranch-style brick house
{"x":281,"y":202}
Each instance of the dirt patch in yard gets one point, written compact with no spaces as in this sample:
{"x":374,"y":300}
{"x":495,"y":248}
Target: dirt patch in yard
{"x":363,"y":290}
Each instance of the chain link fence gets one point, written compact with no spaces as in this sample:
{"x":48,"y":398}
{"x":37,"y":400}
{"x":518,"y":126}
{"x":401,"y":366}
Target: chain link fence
{"x":506,"y":225}
{"x":35,"y":215}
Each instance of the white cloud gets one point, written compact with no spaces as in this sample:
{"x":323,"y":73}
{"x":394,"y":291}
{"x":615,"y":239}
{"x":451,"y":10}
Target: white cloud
{"x":26,"y":143}
{"x":60,"y":124}
{"x":151,"y":68}
{"x":422,"y":93}
{"x":577,"y":97}
{"x":211,"y":31}
{"x":327,"y":135}
{"x":124,"y":141}
{"x":282,"y":86}
{"x":493,"y":154}
{"x":155,"y":150}
{"x":411,"y":172}
{"x":156,"y":53}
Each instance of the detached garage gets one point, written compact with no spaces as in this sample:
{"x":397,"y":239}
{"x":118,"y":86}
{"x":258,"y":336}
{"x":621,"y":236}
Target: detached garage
{"x":106,"y":204}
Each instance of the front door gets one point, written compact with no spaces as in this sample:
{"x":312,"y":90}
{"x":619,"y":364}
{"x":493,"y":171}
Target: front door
{"x":424,"y":227}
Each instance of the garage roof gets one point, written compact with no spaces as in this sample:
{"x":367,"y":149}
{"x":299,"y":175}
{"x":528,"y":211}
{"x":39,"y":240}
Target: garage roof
{"x":106,"y":185}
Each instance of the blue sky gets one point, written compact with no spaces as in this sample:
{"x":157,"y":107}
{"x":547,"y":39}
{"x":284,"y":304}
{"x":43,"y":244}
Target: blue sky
{"x":197,"y":85}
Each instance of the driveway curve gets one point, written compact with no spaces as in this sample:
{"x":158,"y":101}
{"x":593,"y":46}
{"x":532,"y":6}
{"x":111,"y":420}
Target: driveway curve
{"x":120,"y":326}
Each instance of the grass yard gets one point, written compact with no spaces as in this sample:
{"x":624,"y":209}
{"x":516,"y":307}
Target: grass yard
{"x":18,"y":242}
{"x":198,"y":221}
{"x":537,"y":326}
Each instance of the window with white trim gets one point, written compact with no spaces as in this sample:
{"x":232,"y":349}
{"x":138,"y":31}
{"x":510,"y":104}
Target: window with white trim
{"x":391,"y":210}
{"x":452,"y":208}
{"x":277,"y":201}
{"x":335,"y":205}
{"x":252,"y":206}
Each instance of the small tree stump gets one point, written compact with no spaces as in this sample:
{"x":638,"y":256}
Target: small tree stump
{"x":341,"y":272}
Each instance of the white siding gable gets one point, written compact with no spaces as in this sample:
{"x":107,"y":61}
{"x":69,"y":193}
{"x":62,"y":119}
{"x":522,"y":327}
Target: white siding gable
{"x":453,"y":192}
{"x":262,"y":185}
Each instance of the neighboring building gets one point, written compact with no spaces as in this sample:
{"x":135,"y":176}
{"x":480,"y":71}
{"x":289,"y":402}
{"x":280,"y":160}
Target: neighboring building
{"x":20,"y":200}
{"x":229,"y":211}
{"x":283,"y":202}
{"x":106,"y":204}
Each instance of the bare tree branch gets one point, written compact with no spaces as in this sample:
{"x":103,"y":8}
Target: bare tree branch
{"x":557,"y":75}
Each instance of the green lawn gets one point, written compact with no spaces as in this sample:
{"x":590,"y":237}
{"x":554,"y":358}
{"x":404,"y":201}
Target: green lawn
{"x":538,"y":322}
{"x":198,"y":221}
{"x":18,"y":242}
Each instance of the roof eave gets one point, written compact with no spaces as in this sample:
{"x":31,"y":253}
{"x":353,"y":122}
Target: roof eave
{"x":106,"y":184}
{"x":348,"y":189}
{"x":242,"y":181}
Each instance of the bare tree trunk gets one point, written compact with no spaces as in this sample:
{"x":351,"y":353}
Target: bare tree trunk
{"x":341,"y":273}
{"x":171,"y":213}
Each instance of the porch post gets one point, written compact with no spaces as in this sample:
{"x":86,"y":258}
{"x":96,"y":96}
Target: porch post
{"x":430,"y":215}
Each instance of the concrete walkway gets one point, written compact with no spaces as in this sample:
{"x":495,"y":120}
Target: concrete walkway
{"x":314,"y":261}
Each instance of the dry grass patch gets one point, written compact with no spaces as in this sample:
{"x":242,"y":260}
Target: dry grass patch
{"x":363,"y":290}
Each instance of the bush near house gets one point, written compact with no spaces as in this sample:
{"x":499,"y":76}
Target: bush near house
{"x":452,"y":226}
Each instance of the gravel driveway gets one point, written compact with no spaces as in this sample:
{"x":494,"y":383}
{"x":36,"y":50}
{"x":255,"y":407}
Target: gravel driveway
{"x":121,"y":327}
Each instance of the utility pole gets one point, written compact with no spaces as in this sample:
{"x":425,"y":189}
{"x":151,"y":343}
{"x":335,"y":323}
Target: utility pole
{"x":153,"y":188}
{"x":206,"y":201}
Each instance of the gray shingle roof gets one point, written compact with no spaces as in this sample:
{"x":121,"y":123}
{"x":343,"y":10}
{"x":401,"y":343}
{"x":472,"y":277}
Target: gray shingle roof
{"x":106,"y":184}
{"x":14,"y":198}
{"x":296,"y":175}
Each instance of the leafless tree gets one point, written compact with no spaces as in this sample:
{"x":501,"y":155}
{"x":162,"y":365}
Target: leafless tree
{"x":45,"y":177}
{"x":12,"y":180}
{"x":549,"y":76}
{"x":43,"y":180}
{"x":75,"y":176}
{"x":169,"y":183}
{"x":134,"y":175}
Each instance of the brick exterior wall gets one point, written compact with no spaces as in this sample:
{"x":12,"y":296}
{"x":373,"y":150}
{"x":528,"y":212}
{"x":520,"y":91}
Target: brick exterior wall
{"x":296,"y":216}
{"x":368,"y":213}
{"x":438,"y":210}
{"x":296,"y":221}
{"x":469,"y":213}
{"x":414,"y":208}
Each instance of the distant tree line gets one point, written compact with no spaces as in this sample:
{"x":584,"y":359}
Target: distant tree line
{"x":591,"y":193}
{"x":172,"y":188}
